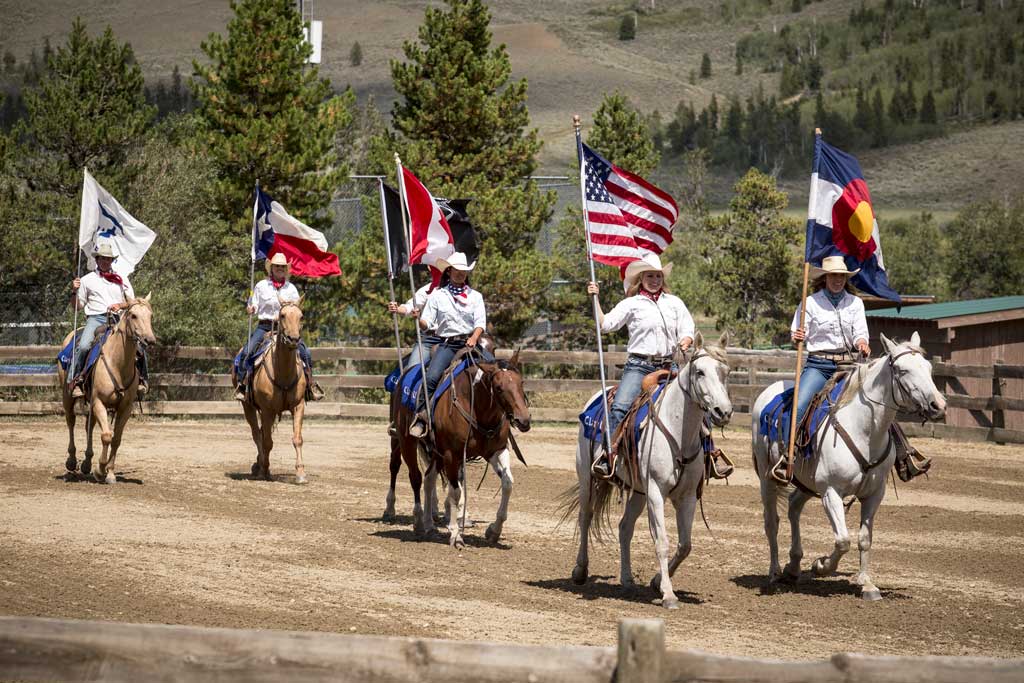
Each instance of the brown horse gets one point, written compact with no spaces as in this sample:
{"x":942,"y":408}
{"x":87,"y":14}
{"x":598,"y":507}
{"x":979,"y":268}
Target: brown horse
{"x":278,"y":384}
{"x":473,"y":419}
{"x":115,"y":381}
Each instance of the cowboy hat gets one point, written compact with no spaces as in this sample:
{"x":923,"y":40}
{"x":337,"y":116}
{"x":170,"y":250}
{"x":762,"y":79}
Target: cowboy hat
{"x":457,"y":261}
{"x":104,"y":249}
{"x":650,"y":262}
{"x":278,"y":259}
{"x":835,"y":265}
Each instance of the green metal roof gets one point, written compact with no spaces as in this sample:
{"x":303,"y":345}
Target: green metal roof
{"x":951,"y":309}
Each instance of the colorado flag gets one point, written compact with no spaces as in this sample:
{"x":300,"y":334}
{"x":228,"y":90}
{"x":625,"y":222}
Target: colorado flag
{"x":841,"y":220}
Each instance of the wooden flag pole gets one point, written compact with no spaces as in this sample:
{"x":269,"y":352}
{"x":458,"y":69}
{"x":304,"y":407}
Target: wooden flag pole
{"x":78,"y":274}
{"x":391,"y":272}
{"x":412,"y":283}
{"x":800,"y":344}
{"x":606,"y":435}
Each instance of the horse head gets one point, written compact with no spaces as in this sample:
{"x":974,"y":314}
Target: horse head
{"x":506,"y":385}
{"x":138,"y":321}
{"x":703,"y":378}
{"x":913,"y":389}
{"x":289,"y":323}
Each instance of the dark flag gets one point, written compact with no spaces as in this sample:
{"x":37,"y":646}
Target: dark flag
{"x":465,"y":238}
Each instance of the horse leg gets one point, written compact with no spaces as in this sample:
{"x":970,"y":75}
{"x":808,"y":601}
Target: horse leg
{"x":396,"y":467}
{"x":684,"y":528}
{"x":252,"y":416}
{"x":429,"y":512}
{"x":797,"y":500}
{"x":503,"y":468}
{"x":99,"y":417}
{"x":90,"y":424}
{"x":71,"y":464}
{"x":267,"y":436}
{"x":656,"y":519}
{"x":634,"y":506}
{"x":868,"y":508}
{"x":769,"y":503}
{"x":120,"y":420}
{"x":833,"y":503}
{"x":454,"y":506}
{"x":297,"y":414}
{"x":585,"y":514}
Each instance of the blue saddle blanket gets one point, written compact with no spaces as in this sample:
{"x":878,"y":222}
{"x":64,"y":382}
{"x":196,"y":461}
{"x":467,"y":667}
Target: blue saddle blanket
{"x":592,"y":417}
{"x":779,"y":412}
{"x":412,"y":380}
{"x":64,"y":357}
{"x":241,"y":369}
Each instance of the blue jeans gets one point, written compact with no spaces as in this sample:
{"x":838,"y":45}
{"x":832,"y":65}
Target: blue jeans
{"x":629,"y":388}
{"x":443,"y":355}
{"x":92,"y":325}
{"x":427,"y":342}
{"x":813,"y":378}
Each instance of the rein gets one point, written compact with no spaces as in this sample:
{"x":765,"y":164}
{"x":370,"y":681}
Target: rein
{"x":894,"y":383}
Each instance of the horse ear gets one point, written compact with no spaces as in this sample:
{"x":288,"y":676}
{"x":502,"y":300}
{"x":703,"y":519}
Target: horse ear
{"x":301,"y":300}
{"x":887,"y":343}
{"x":723,"y":341}
{"x":915,"y":339}
{"x":514,"y":360}
{"x":698,"y":341}
{"x":146,"y":299}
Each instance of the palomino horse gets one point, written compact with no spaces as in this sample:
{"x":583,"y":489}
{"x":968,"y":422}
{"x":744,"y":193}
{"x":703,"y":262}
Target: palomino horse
{"x":670,"y":466}
{"x":278,"y":384}
{"x":473,"y":419}
{"x":115,"y":381}
{"x":853,"y":465}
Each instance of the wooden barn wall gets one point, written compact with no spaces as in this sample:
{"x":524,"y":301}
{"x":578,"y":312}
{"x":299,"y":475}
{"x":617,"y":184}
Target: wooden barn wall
{"x":983,"y":345}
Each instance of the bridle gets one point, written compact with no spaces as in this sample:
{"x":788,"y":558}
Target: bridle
{"x":895,"y":383}
{"x":291,"y":342}
{"x":691,"y":380}
{"x":129,"y":331}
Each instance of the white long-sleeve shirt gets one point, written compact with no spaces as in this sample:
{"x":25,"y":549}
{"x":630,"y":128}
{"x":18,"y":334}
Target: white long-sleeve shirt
{"x":832,"y":328}
{"x":418,"y":300}
{"x":451,"y":316}
{"x":655,"y":328}
{"x":265,"y":298}
{"x":97,"y":295}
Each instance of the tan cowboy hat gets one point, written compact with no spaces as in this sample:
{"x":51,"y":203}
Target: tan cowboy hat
{"x":832,"y":265}
{"x":634,"y":270}
{"x":104,"y":249}
{"x":457,"y":261}
{"x":278,"y":259}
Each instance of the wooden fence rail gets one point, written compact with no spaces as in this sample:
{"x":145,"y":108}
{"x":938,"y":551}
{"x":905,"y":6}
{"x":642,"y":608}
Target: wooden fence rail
{"x":69,"y":650}
{"x":752,"y":371}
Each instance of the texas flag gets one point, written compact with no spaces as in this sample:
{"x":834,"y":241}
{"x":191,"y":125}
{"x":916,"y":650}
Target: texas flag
{"x":841,"y":220}
{"x":277,"y":231}
{"x":430,"y":236}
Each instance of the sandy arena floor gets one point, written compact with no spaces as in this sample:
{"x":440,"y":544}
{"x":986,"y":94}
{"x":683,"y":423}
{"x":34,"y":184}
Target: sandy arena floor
{"x":185,"y":537}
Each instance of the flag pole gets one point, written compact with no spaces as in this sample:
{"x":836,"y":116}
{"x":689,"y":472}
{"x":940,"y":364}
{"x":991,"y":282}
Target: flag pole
{"x":811,"y":197}
{"x":607,"y":437}
{"x":252,"y":257}
{"x":412,"y":283}
{"x":78,"y":274}
{"x":391,"y":272}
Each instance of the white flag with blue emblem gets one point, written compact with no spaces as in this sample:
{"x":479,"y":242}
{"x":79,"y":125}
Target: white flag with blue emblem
{"x":104,"y":219}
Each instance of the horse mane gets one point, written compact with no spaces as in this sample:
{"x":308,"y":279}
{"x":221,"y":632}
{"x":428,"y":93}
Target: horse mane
{"x":717,"y":352}
{"x":856,"y":380}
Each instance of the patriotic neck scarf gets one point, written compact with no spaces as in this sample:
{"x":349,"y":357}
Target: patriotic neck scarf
{"x":653,"y":296}
{"x":111,"y":276}
{"x":458,"y":290}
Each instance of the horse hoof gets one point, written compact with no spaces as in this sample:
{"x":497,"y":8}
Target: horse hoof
{"x":872,"y":595}
{"x":87,"y":466}
{"x":255,"y":469}
{"x":388,"y":516}
{"x":110,"y":478}
{"x":99,"y":477}
{"x":491,"y":534}
{"x":71,"y":464}
{"x":579,"y":575}
{"x":457,"y":542}
{"x":818,"y":567}
{"x":788,"y":579}
{"x":670,"y":603}
{"x":300,"y":478}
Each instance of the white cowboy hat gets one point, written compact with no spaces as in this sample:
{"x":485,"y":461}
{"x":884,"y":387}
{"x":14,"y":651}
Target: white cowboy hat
{"x":278,"y":259}
{"x":834,"y":265}
{"x":457,"y":261}
{"x":104,"y":249}
{"x":650,"y":262}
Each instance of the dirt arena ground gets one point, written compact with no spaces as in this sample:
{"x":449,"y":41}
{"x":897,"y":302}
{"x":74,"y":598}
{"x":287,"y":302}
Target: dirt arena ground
{"x":185,"y":538}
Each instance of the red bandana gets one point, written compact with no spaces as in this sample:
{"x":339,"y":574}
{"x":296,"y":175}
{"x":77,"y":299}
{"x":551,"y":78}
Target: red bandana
{"x":277,"y":285}
{"x":111,"y":276}
{"x":653,"y":297}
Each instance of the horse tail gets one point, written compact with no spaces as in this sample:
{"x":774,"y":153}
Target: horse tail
{"x":600,"y":493}
{"x":568,"y":504}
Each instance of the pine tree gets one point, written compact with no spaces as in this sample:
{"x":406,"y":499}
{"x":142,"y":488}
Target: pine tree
{"x":627,"y":26}
{"x":879,"y":128}
{"x":705,"y":66}
{"x":928,"y":114}
{"x":267,"y":115}
{"x":355,"y":56}
{"x":10,"y":61}
{"x":476,"y":145}
{"x":619,"y":133}
{"x":739,"y":64}
{"x":862,"y":112}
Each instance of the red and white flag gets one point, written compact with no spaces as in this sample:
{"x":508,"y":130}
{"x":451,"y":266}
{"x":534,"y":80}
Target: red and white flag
{"x":275,"y":230}
{"x":628,"y":216}
{"x":430,"y":237}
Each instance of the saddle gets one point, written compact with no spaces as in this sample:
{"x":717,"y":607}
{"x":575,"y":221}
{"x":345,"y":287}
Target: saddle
{"x":65,"y":356}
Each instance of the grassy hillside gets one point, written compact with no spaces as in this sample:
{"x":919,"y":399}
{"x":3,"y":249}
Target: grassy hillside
{"x":569,"y":51}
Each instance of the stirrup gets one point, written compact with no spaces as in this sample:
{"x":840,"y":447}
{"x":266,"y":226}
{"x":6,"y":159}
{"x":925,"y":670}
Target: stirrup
{"x":314,"y":392}
{"x":418,"y":429}
{"x":911,"y":465}
{"x":601,"y":467}
{"x":77,"y":390}
{"x":142,"y":389}
{"x":723,"y":471}
{"x":778,"y":472}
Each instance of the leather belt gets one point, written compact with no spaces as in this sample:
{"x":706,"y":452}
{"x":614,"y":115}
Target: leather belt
{"x":652,"y":359}
{"x":834,"y":356}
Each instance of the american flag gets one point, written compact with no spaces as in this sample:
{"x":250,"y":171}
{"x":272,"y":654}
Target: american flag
{"x":628,"y":216}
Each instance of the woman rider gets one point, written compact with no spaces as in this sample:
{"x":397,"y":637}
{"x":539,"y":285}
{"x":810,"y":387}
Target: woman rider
{"x":658,"y":324}
{"x":835,"y":327}
{"x":412,"y":309}
{"x":265,"y":302}
{"x":457,"y":315}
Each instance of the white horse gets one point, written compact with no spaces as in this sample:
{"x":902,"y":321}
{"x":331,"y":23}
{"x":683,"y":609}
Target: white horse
{"x":901,"y":380}
{"x":671,"y":467}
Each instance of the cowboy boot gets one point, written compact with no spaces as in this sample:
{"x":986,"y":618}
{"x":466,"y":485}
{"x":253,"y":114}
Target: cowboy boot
{"x":77,"y":388}
{"x":910,"y":463}
{"x":721,"y":466}
{"x":240,"y":392}
{"x":314,"y":392}
{"x":780,"y":471}
{"x":143,"y":387}
{"x":604,"y":465}
{"x":418,"y":429}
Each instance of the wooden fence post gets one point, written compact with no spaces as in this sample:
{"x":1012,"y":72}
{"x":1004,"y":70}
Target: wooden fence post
{"x":998,"y":416}
{"x":641,"y":651}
